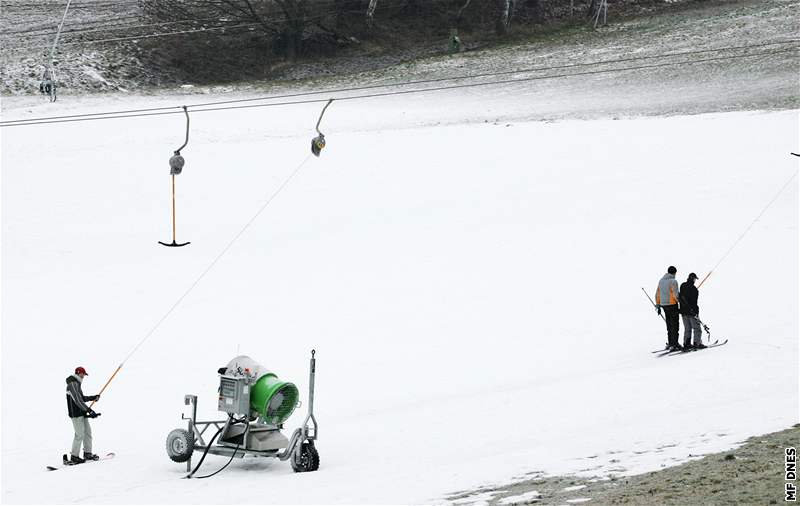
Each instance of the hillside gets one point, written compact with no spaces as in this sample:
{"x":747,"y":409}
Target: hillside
{"x":173,"y":63}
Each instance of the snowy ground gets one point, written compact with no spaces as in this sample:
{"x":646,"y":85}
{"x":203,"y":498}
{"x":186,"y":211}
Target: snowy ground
{"x":472,"y":290}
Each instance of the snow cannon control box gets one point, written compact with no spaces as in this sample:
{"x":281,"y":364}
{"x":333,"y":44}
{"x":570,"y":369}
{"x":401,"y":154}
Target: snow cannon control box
{"x":234,"y":392}
{"x":248,"y":388}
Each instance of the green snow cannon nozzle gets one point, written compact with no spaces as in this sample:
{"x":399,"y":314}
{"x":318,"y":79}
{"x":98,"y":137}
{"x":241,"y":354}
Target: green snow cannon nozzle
{"x":273,"y":399}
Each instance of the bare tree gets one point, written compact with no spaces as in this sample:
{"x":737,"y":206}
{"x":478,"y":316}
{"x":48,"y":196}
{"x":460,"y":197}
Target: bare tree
{"x":536,"y":7}
{"x":281,"y":20}
{"x":506,"y":9}
{"x":373,"y":4}
{"x":461,"y":11}
{"x":296,"y":22}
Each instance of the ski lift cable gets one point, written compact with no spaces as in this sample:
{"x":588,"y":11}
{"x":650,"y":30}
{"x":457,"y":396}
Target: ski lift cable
{"x":205,"y":271}
{"x":421,"y":81}
{"x":216,"y":259}
{"x":389,"y":85}
{"x":750,"y":226}
{"x":168,"y":110}
{"x":155,"y":111}
{"x":500,"y":73}
{"x":425,"y":81}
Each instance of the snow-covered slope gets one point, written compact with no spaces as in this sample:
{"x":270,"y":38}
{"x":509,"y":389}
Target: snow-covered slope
{"x":472,"y":291}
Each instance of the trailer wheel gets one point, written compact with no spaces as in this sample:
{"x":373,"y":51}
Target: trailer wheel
{"x":308,"y":459}
{"x":180,"y":445}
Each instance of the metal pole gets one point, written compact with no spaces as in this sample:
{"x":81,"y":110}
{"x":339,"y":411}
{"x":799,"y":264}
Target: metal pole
{"x":705,"y":278}
{"x":653,"y":303}
{"x":322,"y":114}
{"x":107,"y":382}
{"x":311,"y":383}
{"x":55,"y":42}
{"x":173,"y":208}
{"x":193,"y":400}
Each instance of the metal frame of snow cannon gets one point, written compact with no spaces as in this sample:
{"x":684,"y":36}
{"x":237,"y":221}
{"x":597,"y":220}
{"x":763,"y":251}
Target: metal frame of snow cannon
{"x":234,"y":438}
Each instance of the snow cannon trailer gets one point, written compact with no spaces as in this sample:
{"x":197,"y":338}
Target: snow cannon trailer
{"x":257,"y":404}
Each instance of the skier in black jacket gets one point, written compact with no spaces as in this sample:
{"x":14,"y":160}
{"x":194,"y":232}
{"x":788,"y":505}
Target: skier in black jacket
{"x":690,"y":313}
{"x":80,"y":413}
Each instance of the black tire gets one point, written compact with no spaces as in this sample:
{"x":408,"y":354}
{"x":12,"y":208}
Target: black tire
{"x":308,"y":460}
{"x":180,"y":445}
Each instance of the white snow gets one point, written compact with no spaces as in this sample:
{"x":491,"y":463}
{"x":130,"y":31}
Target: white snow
{"x":576,"y":487}
{"x":94,"y":74}
{"x":522,"y":498}
{"x":475,"y":499}
{"x":472,"y":291}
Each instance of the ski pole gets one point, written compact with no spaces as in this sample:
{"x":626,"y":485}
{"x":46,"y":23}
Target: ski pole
{"x":653,"y":303}
{"x":705,"y":327}
{"x":107,"y":382}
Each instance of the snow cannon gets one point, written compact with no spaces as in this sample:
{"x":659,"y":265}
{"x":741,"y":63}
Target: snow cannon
{"x":248,"y":388}
{"x":257,"y":403}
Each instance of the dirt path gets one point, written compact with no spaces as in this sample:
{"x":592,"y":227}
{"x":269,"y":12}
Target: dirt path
{"x":750,"y":474}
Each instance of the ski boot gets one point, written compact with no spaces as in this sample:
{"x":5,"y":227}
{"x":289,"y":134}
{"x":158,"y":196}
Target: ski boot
{"x":74,"y":459}
{"x":87,"y":456}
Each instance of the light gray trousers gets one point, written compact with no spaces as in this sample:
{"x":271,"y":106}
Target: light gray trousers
{"x":83,"y":435}
{"x":690,"y":324}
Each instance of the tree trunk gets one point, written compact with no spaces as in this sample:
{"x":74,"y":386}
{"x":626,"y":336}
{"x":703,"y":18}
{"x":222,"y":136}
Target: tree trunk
{"x":592,"y":8}
{"x":504,"y":16}
{"x":461,"y":10}
{"x":536,"y":7}
{"x":373,"y":4}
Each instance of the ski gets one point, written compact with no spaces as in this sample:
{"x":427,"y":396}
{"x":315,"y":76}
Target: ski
{"x":65,"y":462}
{"x":681,"y":352}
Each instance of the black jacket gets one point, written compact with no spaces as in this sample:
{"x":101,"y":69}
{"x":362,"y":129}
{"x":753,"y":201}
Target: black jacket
{"x":76,"y":401}
{"x":688,"y":299}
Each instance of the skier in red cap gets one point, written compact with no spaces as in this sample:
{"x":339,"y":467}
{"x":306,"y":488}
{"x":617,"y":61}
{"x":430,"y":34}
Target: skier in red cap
{"x":80,"y":413}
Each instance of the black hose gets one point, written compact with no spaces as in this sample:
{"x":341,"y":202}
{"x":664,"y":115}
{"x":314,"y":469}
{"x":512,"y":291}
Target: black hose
{"x":205,"y":453}
{"x":208,"y":447}
{"x":223,"y":467}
